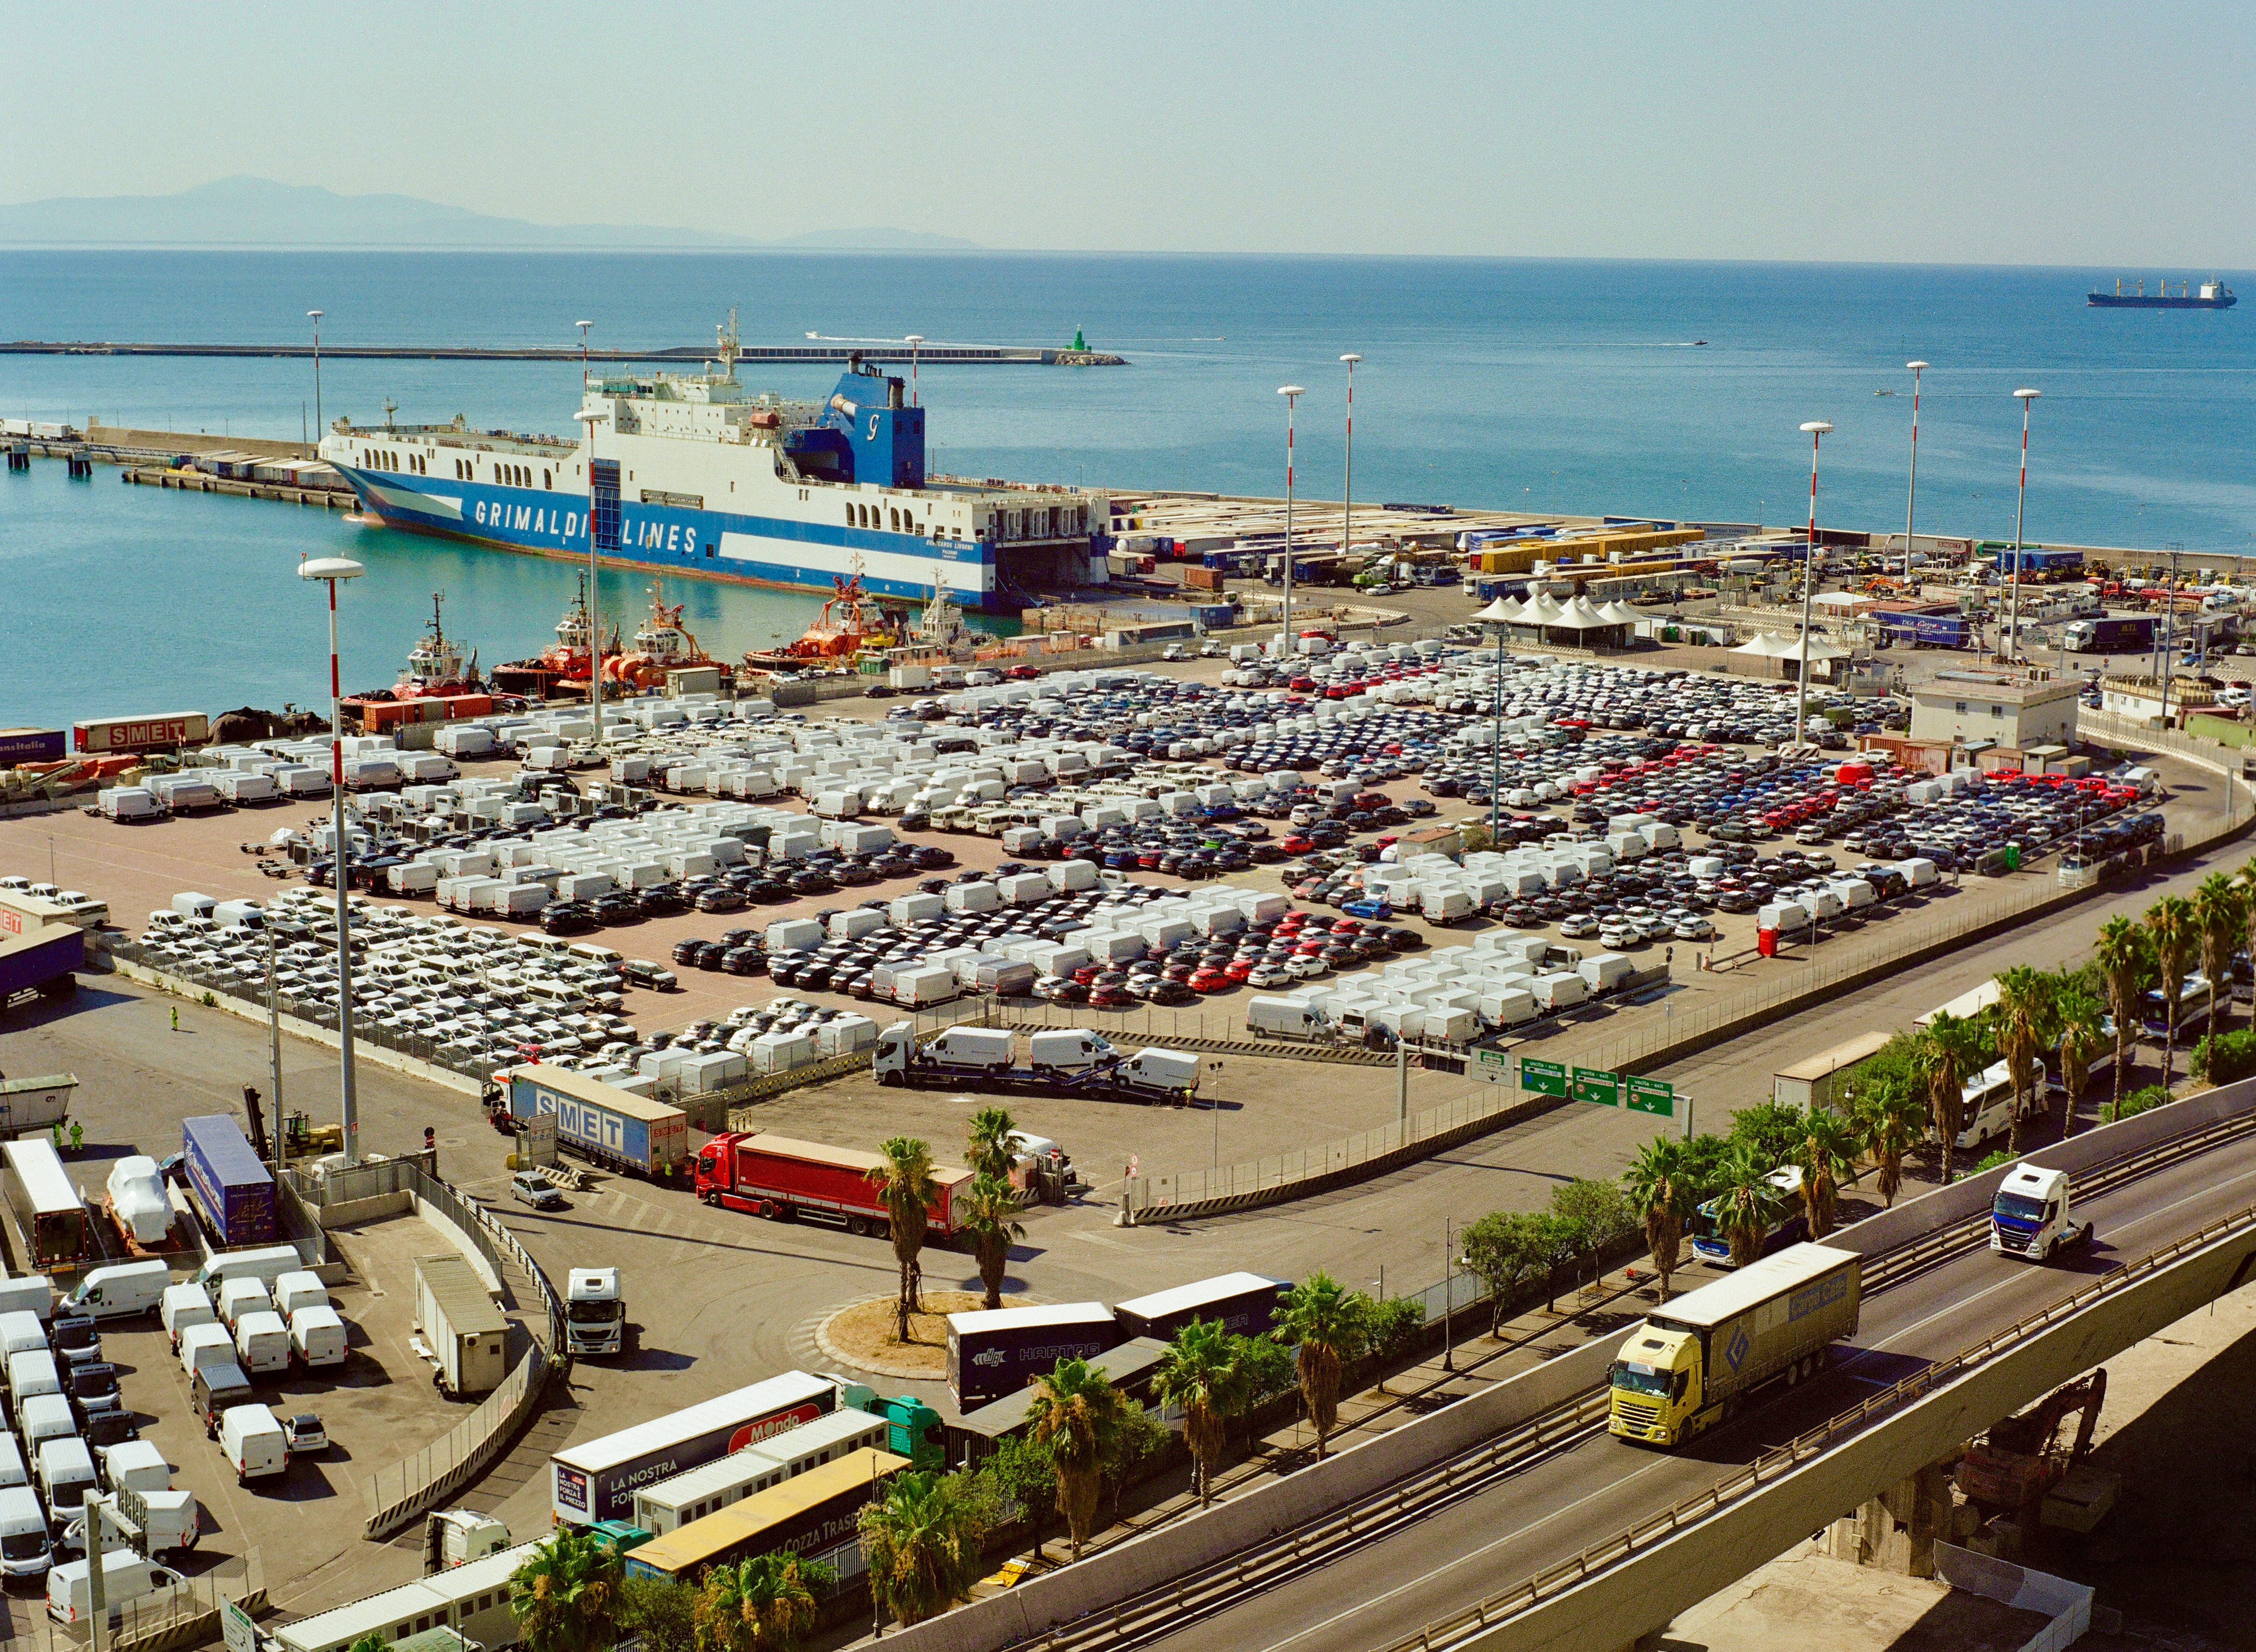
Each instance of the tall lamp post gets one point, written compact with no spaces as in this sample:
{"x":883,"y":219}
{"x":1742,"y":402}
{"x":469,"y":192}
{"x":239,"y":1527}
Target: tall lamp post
{"x":1494,"y":617}
{"x":1911,"y":494}
{"x":316,"y":315}
{"x":1292,"y":393}
{"x":913,"y":341}
{"x":1347,"y":470}
{"x":333,"y":571}
{"x":2013,"y":621}
{"x":592,"y":419}
{"x":583,"y":326}
{"x":1816,"y":430}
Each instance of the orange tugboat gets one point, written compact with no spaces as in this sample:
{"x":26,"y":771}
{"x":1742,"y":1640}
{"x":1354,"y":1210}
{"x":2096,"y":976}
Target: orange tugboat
{"x":564,"y":662}
{"x":438,"y":685}
{"x":663,"y":645}
{"x":850,"y":621}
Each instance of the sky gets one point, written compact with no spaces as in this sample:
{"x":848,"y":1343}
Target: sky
{"x":2067,"y":133}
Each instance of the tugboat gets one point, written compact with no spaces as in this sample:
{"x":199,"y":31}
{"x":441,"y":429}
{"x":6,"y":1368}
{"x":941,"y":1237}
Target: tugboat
{"x":564,"y":662}
{"x":850,"y":621}
{"x":663,"y":645}
{"x":437,"y":685}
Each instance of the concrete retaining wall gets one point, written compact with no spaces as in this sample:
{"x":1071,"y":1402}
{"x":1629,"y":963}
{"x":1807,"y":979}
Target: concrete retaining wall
{"x":352,"y":1212}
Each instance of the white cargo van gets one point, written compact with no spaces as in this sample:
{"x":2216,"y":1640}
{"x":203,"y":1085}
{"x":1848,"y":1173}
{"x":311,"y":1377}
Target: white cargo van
{"x":240,"y":1297}
{"x":253,"y":1442}
{"x":28,"y":1293}
{"x":317,"y":1337}
{"x":264,"y":1265}
{"x":24,"y":1539}
{"x":1282,"y":1018}
{"x":125,"y":1576}
{"x":300,"y":1289}
{"x":65,"y":1472}
{"x":13,"y":1471}
{"x":41,"y":1418}
{"x":136,"y":1463}
{"x":262,"y":1342}
{"x":1069,"y":1050}
{"x":119,"y":1288}
{"x":31,"y":1373}
{"x":20,"y":1332}
{"x":182,"y":1306}
{"x":212,"y":1344}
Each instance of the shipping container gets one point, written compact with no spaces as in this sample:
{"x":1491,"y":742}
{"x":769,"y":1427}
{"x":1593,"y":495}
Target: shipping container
{"x":27,"y":1105}
{"x":815,"y":1515}
{"x":232,"y":1187}
{"x":31,"y":745}
{"x":1241,"y":1303}
{"x":994,"y":1352}
{"x":459,"y":1324}
{"x":596,"y":1479}
{"x":49,"y":1213}
{"x":676,"y":1502}
{"x":602,"y":1122}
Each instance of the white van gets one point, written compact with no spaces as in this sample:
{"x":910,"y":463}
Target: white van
{"x":24,"y":1538}
{"x":28,"y":1293}
{"x":13,"y":1471}
{"x":120,"y":1287}
{"x":44,"y":1418}
{"x":254,"y":1443}
{"x":240,"y":1297}
{"x":21,"y":1332}
{"x":300,"y":1289}
{"x":189,"y":904}
{"x":265,"y":1265}
{"x":137,"y":1463}
{"x":182,"y":1306}
{"x":66,"y":1473}
{"x":206,"y":1344}
{"x":263,"y":1342}
{"x":30,"y":1373}
{"x":125,"y":1576}
{"x":317,"y":1337}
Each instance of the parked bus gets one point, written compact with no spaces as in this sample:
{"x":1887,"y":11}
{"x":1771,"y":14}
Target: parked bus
{"x":2193,"y":1010}
{"x":1712,"y":1245}
{"x":814,"y":1516}
{"x":594,"y":1480}
{"x":47,"y":1207}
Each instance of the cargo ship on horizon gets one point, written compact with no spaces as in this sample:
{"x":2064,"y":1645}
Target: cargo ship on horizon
{"x":2212,"y":295}
{"x":692,"y":474}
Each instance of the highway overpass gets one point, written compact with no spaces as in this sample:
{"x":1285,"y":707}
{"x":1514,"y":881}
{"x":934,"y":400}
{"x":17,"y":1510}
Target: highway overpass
{"x":1511,"y":1520}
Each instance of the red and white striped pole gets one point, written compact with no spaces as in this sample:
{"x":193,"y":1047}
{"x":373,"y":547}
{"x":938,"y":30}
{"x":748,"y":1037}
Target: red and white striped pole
{"x":2013,"y":621}
{"x":331,"y":570}
{"x":1292,"y":393}
{"x":1817,"y":429}
{"x":1911,"y":496}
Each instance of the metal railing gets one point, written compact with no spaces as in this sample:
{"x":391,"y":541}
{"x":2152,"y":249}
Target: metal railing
{"x":1779,"y":1460}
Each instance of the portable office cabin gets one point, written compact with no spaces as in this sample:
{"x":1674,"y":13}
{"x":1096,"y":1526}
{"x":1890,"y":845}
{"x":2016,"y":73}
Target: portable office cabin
{"x":595,"y":1480}
{"x":676,"y":1502}
{"x":471,"y":1599}
{"x":465,"y":1331}
{"x":1823,"y":1079}
{"x":814,"y":1515}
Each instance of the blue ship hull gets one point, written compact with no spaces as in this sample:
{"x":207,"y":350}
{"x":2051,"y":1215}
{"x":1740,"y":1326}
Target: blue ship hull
{"x":2114,"y":301}
{"x":761,"y":551}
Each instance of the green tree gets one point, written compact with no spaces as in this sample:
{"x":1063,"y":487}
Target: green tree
{"x":564,"y":1593}
{"x":1507,"y":1249}
{"x":904,"y":1179}
{"x":1890,"y":1117}
{"x":1746,"y":1206}
{"x":922,"y":1535}
{"x":1771,"y":1131}
{"x":989,"y":1222}
{"x":660,"y":1610}
{"x":989,"y":1150}
{"x":1661,"y":1185}
{"x":1596,"y":1213}
{"x":2021,"y":1015}
{"x":372,"y":1641}
{"x":1944,"y":1049}
{"x":1199,"y":1372}
{"x":1326,"y":1326}
{"x":2081,"y":1038}
{"x":2220,"y":920}
{"x":2126,"y":960}
{"x":2170,"y":924}
{"x":1077,"y":1414}
{"x":765,"y":1604}
{"x":1828,"y":1156}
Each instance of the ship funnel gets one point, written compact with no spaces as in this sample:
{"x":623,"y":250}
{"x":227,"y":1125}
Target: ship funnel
{"x":840,"y":404}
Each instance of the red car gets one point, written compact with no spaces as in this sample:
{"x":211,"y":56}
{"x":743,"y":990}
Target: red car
{"x":1111,"y":998}
{"x":1211,"y":981}
{"x":1022,"y":673}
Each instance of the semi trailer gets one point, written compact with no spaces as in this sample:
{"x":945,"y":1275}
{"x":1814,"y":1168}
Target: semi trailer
{"x":1147,"y":1075}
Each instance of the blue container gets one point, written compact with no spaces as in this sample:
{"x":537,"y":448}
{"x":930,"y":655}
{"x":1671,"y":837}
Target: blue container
{"x":236,"y":1193}
{"x":30,"y":745}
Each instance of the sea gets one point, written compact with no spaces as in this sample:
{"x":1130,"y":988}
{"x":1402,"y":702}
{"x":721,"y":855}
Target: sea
{"x":1673,"y":389}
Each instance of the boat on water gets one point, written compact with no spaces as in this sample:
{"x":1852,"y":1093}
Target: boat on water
{"x":692,"y":473}
{"x":662,"y":644}
{"x":850,"y":621}
{"x":2211,"y":295}
{"x":564,"y":661}
{"x":437,"y":684}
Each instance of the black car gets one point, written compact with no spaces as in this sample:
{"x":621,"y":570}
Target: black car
{"x":813,"y":880}
{"x":570,"y":918}
{"x":685,"y":952}
{"x":616,"y":909}
{"x":743,"y":960}
{"x":710,"y":954}
{"x":930,"y":857}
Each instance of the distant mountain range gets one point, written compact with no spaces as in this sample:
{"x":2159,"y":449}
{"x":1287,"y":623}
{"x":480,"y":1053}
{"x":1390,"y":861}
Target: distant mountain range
{"x":257,"y":212}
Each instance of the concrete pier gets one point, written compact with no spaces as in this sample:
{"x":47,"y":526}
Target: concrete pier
{"x":675,"y":355}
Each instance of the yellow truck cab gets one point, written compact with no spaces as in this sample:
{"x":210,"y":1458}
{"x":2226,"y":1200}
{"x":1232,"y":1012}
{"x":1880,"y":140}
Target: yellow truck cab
{"x":1692,"y":1364}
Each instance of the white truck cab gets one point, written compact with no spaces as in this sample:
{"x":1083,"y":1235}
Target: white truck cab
{"x":595,"y":1310}
{"x":2034,"y":1215}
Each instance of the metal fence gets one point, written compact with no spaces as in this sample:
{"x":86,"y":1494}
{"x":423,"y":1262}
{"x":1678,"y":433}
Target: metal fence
{"x":169,"y":1616}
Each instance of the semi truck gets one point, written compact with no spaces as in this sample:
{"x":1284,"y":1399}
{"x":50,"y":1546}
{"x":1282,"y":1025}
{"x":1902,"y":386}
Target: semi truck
{"x":1696,"y":1363}
{"x":2034,"y":1215}
{"x":595,"y":1479}
{"x":2130,"y":634}
{"x":602,"y":1122}
{"x":31,"y":1105}
{"x":595,"y":1312}
{"x":1931,"y":630}
{"x":234,"y":1188}
{"x":1148,"y":1075}
{"x":999,"y":1350}
{"x":784,"y":1179}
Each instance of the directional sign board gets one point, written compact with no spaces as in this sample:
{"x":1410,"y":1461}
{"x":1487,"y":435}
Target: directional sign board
{"x":1594,"y":1084}
{"x":1653,"y":1095}
{"x":1542,"y":1078}
{"x":236,"y":1629}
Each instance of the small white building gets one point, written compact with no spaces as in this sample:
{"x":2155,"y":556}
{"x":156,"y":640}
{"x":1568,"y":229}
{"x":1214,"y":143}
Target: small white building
{"x":2001,"y":707}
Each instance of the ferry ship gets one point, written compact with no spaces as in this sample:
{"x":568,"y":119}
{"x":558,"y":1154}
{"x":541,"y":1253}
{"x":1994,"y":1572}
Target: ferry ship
{"x":2213,"y":295}
{"x":691,"y":475}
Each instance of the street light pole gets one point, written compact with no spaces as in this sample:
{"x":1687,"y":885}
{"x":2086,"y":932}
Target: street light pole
{"x":331,"y":570}
{"x":1911,"y":495}
{"x":595,"y":575}
{"x":1816,"y":430}
{"x":913,"y":341}
{"x":1292,"y":393}
{"x":1448,"y":1290}
{"x":316,"y":316}
{"x":2013,"y":642}
{"x":1347,"y":470}
{"x":583,"y":326}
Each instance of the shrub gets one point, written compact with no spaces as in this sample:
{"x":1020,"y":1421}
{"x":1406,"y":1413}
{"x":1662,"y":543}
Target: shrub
{"x":1394,"y":1324}
{"x":660,"y":1610}
{"x":2143,"y":1102}
{"x":1772,"y":1130}
{"x":2221,"y":1058}
{"x":2003,"y":1155}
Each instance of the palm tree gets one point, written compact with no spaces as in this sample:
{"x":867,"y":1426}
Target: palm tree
{"x":989,"y":1151}
{"x":2220,"y":919}
{"x":2125,"y":959}
{"x":1662,"y":1186}
{"x":1941,"y":1053}
{"x":989,"y":1222}
{"x":765,"y":1604}
{"x":1077,"y":1413}
{"x":2170,"y":921}
{"x":1827,"y":1154}
{"x":2019,"y":1014}
{"x":1329,"y":1324}
{"x":904,"y":1179}
{"x":1203,"y":1372}
{"x":1891,"y":1118}
{"x":922,"y":1537}
{"x":2081,"y":1038}
{"x":563,"y":1594}
{"x":1746,"y":1206}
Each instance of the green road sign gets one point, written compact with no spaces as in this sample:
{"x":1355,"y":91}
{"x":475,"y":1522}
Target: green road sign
{"x":1593,"y":1084}
{"x":1492,"y":1058}
{"x":1542,"y":1078}
{"x":1653,"y":1095}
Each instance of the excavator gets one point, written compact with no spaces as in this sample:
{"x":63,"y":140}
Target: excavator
{"x":2022,"y":1457}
